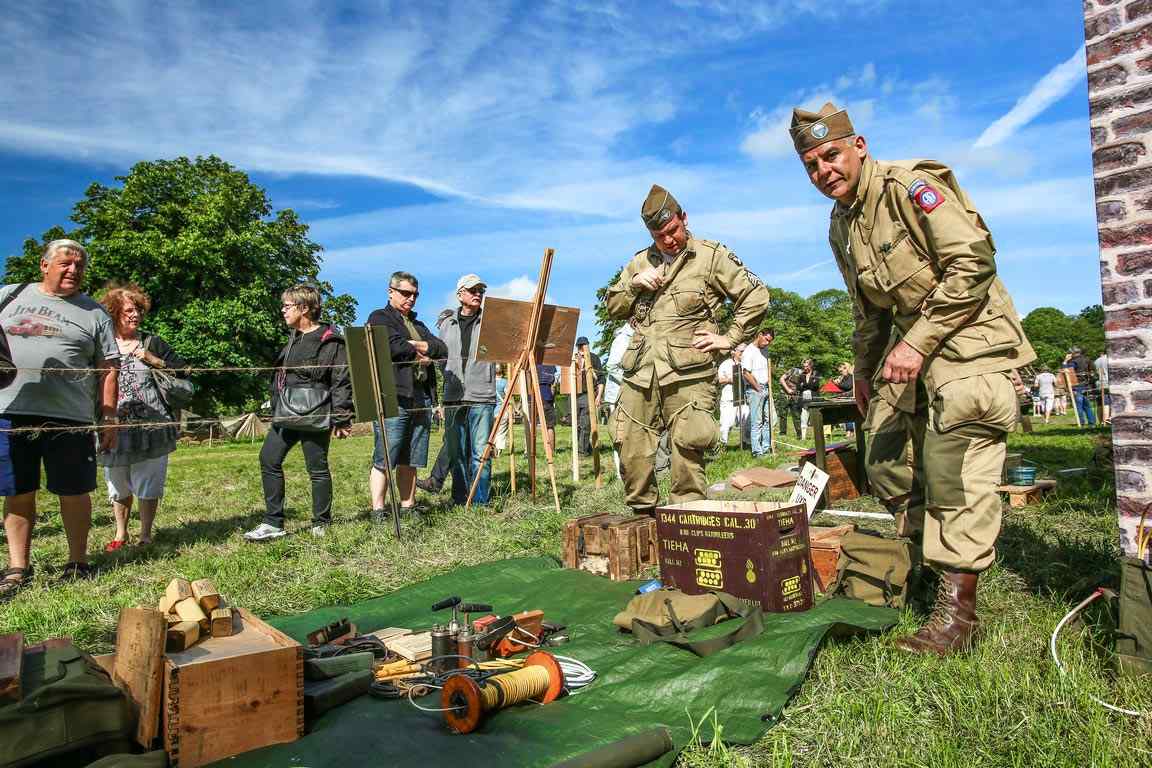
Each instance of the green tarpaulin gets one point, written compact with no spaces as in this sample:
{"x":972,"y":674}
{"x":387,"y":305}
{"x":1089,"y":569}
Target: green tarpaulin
{"x":638,"y":687}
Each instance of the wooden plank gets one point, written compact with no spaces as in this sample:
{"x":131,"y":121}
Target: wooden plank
{"x":505,"y":330}
{"x":138,"y":668}
{"x":572,"y":544}
{"x":11,"y":664}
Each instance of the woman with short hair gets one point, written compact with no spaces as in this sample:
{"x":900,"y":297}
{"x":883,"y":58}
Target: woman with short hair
{"x":137,"y":467}
{"x":314,"y":357}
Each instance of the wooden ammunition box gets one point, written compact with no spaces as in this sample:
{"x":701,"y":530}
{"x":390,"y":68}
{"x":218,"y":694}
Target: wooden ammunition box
{"x":229,"y":695}
{"x":825,"y":547}
{"x":754,"y":550}
{"x":840,"y":464}
{"x":617,"y":546}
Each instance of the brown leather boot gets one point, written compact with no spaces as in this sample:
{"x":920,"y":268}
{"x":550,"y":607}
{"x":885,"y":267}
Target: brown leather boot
{"x":952,"y":626}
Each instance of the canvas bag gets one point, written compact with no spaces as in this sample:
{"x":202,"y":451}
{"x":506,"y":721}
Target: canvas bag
{"x":1134,"y":633}
{"x":176,"y":392}
{"x":302,"y":407}
{"x":668,"y":616}
{"x":877,"y":570}
{"x":70,"y":705}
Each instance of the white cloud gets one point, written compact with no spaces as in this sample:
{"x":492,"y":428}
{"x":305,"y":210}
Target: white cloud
{"x":1055,"y":85}
{"x":521,"y":288}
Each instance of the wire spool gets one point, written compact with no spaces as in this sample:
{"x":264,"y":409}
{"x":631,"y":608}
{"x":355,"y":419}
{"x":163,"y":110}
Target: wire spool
{"x":465,"y":703}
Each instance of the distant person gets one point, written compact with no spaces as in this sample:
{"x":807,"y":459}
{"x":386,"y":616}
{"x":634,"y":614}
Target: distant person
{"x":414,"y":349}
{"x":754,"y":369}
{"x":501,"y":441}
{"x":727,"y":375}
{"x":469,"y":393}
{"x":137,"y":468}
{"x":1045,"y":383}
{"x":614,"y":374}
{"x":52,"y":325}
{"x":315,"y":359}
{"x":586,"y":406}
{"x":1082,"y":388}
{"x":843,"y":382}
{"x":546,"y":375}
{"x":1100,"y":365}
{"x":808,"y":387}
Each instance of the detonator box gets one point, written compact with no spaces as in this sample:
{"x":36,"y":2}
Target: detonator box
{"x":753,"y":550}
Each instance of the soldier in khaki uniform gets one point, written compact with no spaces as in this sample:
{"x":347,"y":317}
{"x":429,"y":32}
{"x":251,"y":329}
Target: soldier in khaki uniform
{"x":937,"y":340}
{"x":672,"y":291}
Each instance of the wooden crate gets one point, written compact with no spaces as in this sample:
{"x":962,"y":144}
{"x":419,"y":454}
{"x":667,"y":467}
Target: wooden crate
{"x":617,"y":546}
{"x":229,"y":695}
{"x":1023,"y":495}
{"x":825,"y":547}
{"x":840,"y":464}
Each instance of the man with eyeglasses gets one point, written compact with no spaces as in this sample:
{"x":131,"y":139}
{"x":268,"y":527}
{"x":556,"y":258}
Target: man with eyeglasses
{"x":413,"y":349}
{"x":469,"y":392}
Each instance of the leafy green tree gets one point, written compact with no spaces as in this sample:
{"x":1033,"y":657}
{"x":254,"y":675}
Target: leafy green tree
{"x":1052,"y":333}
{"x":205,"y":244}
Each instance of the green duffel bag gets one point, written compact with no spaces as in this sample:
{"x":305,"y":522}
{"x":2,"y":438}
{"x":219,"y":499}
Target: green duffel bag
{"x":1134,"y":633}
{"x":878,"y":570}
{"x":71,"y":712}
{"x":668,"y":616}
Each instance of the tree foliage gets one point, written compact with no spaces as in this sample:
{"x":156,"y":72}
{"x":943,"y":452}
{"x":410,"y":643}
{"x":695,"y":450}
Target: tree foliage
{"x":1052,"y":333}
{"x":204,"y":243}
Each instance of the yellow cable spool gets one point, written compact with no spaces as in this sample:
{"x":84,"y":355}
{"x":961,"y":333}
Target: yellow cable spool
{"x":465,"y":702}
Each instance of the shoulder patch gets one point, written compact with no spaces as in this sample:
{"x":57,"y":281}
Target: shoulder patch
{"x":735,"y":259}
{"x":925,"y":195}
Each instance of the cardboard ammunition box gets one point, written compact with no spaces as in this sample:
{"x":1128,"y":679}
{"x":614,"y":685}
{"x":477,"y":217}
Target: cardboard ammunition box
{"x":617,"y":546}
{"x":754,"y":550}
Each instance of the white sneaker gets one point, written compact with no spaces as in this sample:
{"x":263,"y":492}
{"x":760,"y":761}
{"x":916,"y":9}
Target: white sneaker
{"x":319,"y":531}
{"x":264,"y":532}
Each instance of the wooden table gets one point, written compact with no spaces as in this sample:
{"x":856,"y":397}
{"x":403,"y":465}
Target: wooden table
{"x":836,"y":411}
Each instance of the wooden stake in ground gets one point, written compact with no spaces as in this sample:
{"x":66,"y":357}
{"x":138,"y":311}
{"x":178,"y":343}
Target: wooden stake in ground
{"x":573,"y":384}
{"x":593,"y":412}
{"x":768,"y":406}
{"x":389,"y":475}
{"x":1071,"y":395}
{"x":509,"y":394}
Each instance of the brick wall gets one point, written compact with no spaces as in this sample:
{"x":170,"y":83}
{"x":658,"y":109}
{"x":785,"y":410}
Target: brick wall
{"x":1119,"y":50}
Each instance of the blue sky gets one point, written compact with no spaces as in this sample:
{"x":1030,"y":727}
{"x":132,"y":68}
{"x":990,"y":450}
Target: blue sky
{"x":444,"y":138}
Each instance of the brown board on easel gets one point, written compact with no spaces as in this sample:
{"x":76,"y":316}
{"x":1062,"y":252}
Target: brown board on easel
{"x":504,"y":329}
{"x":360,"y":371}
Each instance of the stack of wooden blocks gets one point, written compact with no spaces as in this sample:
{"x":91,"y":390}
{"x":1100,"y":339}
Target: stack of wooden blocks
{"x":194,"y":610}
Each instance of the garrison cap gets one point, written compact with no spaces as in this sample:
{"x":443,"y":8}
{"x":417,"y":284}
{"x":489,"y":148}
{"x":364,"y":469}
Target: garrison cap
{"x":659,"y":208}
{"x":811,"y":129}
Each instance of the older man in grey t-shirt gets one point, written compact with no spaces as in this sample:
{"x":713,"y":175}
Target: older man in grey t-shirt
{"x":64,"y":347}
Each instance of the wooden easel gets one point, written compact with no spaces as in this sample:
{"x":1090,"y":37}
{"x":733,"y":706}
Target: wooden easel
{"x":768,"y":406}
{"x":1072,"y":394}
{"x":526,"y":363}
{"x":593,"y":411}
{"x":377,"y":395}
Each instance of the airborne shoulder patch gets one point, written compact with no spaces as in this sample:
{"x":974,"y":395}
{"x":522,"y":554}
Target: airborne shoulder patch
{"x":735,"y":259}
{"x":925,"y":195}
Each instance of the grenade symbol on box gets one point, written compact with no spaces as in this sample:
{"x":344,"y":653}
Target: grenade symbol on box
{"x":750,"y":573}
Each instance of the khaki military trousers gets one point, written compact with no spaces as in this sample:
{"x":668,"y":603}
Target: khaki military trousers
{"x":684,"y":409}
{"x":938,"y":469}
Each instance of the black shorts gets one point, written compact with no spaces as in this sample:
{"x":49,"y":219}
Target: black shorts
{"x":68,"y":458}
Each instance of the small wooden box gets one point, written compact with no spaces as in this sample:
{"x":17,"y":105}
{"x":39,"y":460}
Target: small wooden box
{"x":617,"y":546}
{"x":840,"y":464}
{"x":229,"y":695}
{"x":825,"y":546}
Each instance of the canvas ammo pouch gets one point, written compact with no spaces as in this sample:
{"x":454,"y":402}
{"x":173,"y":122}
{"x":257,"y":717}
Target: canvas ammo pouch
{"x":1134,"y":633}
{"x":669,"y":616}
{"x":878,"y":570}
{"x":70,"y":706}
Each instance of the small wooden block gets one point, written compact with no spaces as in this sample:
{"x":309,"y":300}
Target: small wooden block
{"x":189,"y":610}
{"x":11,"y":664}
{"x":206,"y":594}
{"x":165,"y":604}
{"x":182,"y":636}
{"x":178,"y":589}
{"x":222,"y":622}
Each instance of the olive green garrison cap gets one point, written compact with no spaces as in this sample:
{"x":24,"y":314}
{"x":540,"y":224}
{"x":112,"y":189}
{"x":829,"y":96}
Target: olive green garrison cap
{"x":811,"y":129}
{"x":659,"y":208}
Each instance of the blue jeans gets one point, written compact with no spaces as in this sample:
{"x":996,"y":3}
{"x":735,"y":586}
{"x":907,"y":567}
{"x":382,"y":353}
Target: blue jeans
{"x":466,"y":431}
{"x":758,"y":413}
{"x":1084,"y":405}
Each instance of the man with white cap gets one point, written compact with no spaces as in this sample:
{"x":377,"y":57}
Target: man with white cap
{"x":469,"y":392}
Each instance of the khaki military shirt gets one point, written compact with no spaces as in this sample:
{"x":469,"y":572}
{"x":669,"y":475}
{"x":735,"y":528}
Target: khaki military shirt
{"x":696,"y":285}
{"x":919,"y":264}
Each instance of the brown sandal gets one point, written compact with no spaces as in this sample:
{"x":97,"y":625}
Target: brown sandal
{"x":10,"y":586}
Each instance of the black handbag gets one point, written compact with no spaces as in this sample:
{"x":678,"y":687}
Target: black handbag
{"x":176,"y":392}
{"x":303,"y":407}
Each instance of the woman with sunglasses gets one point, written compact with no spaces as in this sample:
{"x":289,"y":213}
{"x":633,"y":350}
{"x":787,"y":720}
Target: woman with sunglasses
{"x":414,"y":350}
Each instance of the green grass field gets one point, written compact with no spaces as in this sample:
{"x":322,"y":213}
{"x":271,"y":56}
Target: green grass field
{"x":864,"y":703}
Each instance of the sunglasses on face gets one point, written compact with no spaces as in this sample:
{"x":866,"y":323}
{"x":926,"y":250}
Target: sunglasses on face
{"x":406,"y":294}
{"x":477,"y":291}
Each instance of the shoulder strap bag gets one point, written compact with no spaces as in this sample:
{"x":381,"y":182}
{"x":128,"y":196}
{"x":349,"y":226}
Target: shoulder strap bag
{"x":302,"y":407}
